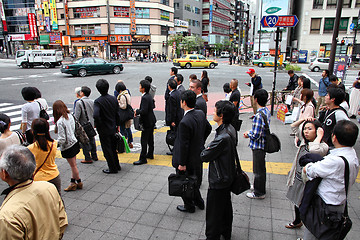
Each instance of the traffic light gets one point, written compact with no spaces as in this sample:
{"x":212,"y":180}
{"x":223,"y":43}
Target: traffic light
{"x":343,"y":42}
{"x":163,"y":43}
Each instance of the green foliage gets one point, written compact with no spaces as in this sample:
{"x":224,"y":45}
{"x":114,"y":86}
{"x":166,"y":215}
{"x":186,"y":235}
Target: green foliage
{"x":192,"y":43}
{"x":293,"y":67}
{"x":178,"y":38}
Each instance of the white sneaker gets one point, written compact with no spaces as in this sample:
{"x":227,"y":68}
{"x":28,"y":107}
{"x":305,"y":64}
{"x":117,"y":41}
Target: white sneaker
{"x":253,"y":196}
{"x":251,"y":187}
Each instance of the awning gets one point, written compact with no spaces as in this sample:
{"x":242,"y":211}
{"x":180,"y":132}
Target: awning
{"x":44,"y":39}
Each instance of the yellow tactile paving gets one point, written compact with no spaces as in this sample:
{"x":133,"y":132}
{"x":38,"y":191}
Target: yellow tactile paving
{"x":165,"y":160}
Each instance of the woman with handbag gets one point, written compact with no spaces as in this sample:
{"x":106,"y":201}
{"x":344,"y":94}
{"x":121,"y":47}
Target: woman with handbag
{"x":44,"y":150}
{"x":69,"y":145}
{"x":29,"y":111}
{"x":7,"y":137}
{"x":312,"y":135}
{"x":124,"y":100}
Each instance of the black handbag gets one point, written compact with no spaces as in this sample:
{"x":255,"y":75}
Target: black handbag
{"x":170,"y":137}
{"x":127,"y":113}
{"x":324,"y":223}
{"x":88,"y":128}
{"x":138,"y":124}
{"x":43,"y":113}
{"x":120,"y":145}
{"x":241,"y":181}
{"x":272,"y":142}
{"x":182,"y":185}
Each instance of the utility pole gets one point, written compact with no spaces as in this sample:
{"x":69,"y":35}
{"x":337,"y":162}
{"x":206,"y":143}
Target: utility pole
{"x":108,"y":27}
{"x":260,"y":27}
{"x":356,"y":28}
{"x":275,"y":68}
{"x":335,"y":35}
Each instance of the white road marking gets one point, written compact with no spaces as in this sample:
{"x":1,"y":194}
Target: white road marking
{"x":5,"y":104}
{"x":10,"y":78}
{"x":312,"y":80}
{"x":35,"y":76}
{"x":58,"y":73}
{"x":45,"y":81}
{"x":10,"y":108}
{"x":19,"y":84}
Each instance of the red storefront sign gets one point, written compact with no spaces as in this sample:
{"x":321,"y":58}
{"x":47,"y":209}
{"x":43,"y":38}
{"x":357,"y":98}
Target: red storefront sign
{"x":32,"y":25}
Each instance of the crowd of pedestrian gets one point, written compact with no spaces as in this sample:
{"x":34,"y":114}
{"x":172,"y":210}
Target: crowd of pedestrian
{"x":324,"y":136}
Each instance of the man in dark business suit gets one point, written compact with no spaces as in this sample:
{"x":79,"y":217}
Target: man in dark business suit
{"x":195,"y":86}
{"x":192,"y":132}
{"x":106,"y":120}
{"x":179,"y":79}
{"x":147,"y":118}
{"x":173,"y":72}
{"x":173,"y":110}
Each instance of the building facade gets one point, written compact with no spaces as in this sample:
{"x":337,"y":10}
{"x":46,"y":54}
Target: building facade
{"x":190,"y":11}
{"x":316,"y":23}
{"x":98,"y":27}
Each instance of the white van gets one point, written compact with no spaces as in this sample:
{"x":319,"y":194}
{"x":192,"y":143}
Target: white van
{"x":31,"y":58}
{"x":224,"y":54}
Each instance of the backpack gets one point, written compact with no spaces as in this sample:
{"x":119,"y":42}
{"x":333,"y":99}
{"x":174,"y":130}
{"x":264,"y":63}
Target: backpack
{"x":273,"y":143}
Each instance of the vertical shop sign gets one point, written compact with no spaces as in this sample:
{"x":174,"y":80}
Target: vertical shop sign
{"x":132,"y":17}
{"x":67,"y":17}
{"x":40,"y":19}
{"x":340,"y":67}
{"x":32,"y":25}
{"x":2,"y":15}
{"x":38,"y":5}
{"x":53,"y":11}
{"x":47,"y":16}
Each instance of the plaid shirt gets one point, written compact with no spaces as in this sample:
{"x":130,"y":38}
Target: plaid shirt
{"x":257,"y":133}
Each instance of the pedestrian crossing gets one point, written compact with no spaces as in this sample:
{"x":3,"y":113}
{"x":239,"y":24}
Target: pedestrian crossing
{"x":14,"y":112}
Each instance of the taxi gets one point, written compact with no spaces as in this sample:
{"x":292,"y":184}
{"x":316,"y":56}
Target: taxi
{"x":194,"y":60}
{"x":267,"y":61}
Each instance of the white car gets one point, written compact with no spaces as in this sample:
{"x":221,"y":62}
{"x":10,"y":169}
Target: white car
{"x":224,"y":54}
{"x":319,"y":64}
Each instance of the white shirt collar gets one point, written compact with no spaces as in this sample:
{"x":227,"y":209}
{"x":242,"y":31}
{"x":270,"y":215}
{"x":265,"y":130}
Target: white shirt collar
{"x":188,"y":111}
{"x":199,"y":95}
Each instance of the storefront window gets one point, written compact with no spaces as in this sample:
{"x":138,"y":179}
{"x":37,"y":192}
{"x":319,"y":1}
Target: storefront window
{"x":165,"y":15}
{"x":88,"y":30}
{"x":142,"y":12}
{"x":87,"y":12}
{"x":122,"y":29}
{"x":142,"y":29}
{"x":121,"y":12}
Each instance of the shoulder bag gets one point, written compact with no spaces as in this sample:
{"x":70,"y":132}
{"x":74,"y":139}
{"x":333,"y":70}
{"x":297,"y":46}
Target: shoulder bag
{"x":127,"y":113}
{"x":80,"y":133}
{"x":182,"y":185}
{"x":323,"y":221}
{"x":22,"y":138}
{"x":272,"y":142}
{"x":52,"y":144}
{"x":88,"y":128}
{"x":43,"y":113}
{"x":138,"y":125}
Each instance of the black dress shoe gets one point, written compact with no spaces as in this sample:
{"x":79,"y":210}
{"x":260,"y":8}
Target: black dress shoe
{"x":119,"y":168}
{"x":182,"y":208}
{"x":107,"y":171}
{"x":140,"y":162}
{"x":169,"y":153}
{"x":200,"y":205}
{"x":150,"y":156}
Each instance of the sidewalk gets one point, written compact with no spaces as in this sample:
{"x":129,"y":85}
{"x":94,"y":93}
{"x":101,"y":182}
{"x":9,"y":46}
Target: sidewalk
{"x":134,"y":204}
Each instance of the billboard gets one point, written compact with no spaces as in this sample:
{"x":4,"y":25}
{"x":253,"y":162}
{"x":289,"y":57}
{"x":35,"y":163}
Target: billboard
{"x":32,"y":25}
{"x":2,"y":15}
{"x":53,"y":11}
{"x":47,"y":16}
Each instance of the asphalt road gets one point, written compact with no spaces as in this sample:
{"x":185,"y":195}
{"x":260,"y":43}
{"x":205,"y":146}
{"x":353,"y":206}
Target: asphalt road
{"x":54,"y":85}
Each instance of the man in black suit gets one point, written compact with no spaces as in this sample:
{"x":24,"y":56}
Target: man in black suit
{"x":147,"y":118}
{"x":192,"y":132}
{"x":195,"y":86}
{"x":179,"y":79}
{"x":173,"y":72}
{"x":106,"y":120}
{"x":173,"y":110}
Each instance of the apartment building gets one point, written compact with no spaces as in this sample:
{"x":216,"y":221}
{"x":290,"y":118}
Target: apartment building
{"x":190,"y":11}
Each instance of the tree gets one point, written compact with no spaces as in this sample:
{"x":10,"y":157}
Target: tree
{"x":193,"y":43}
{"x":177,"y":39}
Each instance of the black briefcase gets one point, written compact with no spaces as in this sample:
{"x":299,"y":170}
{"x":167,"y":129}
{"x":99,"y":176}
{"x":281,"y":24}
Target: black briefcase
{"x":182,"y":185}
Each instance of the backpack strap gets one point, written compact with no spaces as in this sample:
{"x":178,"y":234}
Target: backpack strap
{"x":346,"y":177}
{"x":267,"y":128}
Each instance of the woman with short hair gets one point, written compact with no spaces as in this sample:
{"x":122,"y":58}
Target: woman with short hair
{"x":69,"y":145}
{"x":7,"y":137}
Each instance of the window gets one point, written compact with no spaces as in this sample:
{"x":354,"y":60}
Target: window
{"x":201,"y":57}
{"x":193,"y":57}
{"x":143,"y":29}
{"x":87,"y":29}
{"x":164,"y":30}
{"x":142,"y":12}
{"x":347,"y":3}
{"x":197,"y":10}
{"x":88,"y":61}
{"x":318,"y":4}
{"x":62,"y":16}
{"x":315,"y":25}
{"x":165,"y":15}
{"x":187,"y":7}
{"x":87,"y":12}
{"x":165,"y":2}
{"x":357,"y":4}
{"x":20,"y":54}
{"x":121,"y":12}
{"x":331,"y":3}
{"x":344,"y":22}
{"x":122,"y":29}
{"x":98,"y":60}
{"x":177,"y":6}
{"x":329,"y":24}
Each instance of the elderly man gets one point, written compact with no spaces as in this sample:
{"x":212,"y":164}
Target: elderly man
{"x":31,"y":210}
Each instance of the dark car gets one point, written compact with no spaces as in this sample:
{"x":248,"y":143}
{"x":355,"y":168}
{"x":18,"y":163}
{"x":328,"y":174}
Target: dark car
{"x":84,"y":66}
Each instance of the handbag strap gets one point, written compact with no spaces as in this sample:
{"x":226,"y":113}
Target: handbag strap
{"x":237,"y":161}
{"x":41,"y":108}
{"x":267,"y":128}
{"x":346,"y":176}
{"x":52,"y":144}
{"x":86,"y":114}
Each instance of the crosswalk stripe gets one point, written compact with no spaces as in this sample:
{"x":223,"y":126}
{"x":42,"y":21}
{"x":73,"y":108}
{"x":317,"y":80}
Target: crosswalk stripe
{"x":5,"y":104}
{"x":5,"y":109}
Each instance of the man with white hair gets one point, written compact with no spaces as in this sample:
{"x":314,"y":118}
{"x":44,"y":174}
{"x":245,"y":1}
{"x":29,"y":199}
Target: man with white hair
{"x":31,"y":210}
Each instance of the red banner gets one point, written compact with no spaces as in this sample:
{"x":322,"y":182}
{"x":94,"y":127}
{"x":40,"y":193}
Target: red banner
{"x":32,"y":25}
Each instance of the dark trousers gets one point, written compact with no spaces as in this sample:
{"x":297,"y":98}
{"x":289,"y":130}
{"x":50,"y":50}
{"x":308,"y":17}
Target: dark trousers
{"x":219,"y":214}
{"x":259,"y":170}
{"x":108,"y":145}
{"x":126,"y":132}
{"x":147,"y":139}
{"x":90,"y":148}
